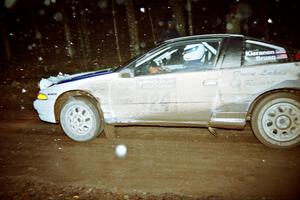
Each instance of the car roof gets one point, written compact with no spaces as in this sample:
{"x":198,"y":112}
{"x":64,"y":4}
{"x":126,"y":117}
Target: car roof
{"x":205,"y":36}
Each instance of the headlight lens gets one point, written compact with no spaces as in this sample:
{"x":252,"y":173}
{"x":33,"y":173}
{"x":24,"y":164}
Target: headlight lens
{"x":42,"y":96}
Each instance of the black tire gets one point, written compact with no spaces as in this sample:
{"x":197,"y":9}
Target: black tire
{"x":276,"y":120}
{"x":80,"y":119}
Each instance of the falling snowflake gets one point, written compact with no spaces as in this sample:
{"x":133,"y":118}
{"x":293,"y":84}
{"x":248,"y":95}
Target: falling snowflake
{"x":38,"y":35}
{"x":229,"y":26}
{"x":9,"y":3}
{"x":102,"y":4}
{"x":58,"y":16}
{"x":47,"y":2}
{"x":142,"y":9}
{"x":142,"y":44}
{"x":120,"y":1}
{"x":270,"y":21}
{"x":41,"y":12}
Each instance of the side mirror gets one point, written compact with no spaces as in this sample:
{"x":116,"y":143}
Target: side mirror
{"x":126,"y":73}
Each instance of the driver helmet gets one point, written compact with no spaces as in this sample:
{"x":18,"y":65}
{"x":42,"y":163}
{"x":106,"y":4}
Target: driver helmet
{"x":193,"y":52}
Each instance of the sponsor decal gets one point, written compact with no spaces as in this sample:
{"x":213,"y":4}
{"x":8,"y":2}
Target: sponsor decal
{"x":270,"y":55}
{"x":157,"y":84}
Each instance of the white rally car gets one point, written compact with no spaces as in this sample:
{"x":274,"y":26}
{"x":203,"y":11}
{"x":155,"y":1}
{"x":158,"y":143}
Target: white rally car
{"x":214,"y":81}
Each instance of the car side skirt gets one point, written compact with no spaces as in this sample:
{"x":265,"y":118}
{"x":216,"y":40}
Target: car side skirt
{"x":232,"y":123}
{"x":160,"y":123}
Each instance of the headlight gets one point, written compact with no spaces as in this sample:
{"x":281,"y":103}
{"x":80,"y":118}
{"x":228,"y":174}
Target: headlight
{"x":42,"y":96}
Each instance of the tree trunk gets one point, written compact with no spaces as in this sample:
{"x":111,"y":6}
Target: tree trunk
{"x":38,"y":36}
{"x":178,"y":15}
{"x":132,"y":27}
{"x":84,"y":40}
{"x":190,"y":17}
{"x":68,"y":35}
{"x":116,"y":32}
{"x":6,"y":43}
{"x":70,"y":50}
{"x":152,"y":26}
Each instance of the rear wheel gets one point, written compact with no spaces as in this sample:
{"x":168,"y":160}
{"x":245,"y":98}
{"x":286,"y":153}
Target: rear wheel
{"x":80,"y":119}
{"x":276,"y":120}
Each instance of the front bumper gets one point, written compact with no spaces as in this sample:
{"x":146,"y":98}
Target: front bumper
{"x":45,"y":109}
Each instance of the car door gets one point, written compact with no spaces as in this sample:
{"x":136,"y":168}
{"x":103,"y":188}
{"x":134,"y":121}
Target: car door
{"x":143,"y":98}
{"x":185,"y":91}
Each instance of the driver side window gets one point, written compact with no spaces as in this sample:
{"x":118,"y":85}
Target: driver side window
{"x":196,"y":56}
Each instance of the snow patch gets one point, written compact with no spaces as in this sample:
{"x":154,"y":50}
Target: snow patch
{"x":45,"y":83}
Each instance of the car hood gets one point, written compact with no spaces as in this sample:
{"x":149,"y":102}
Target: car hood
{"x":65,"y":78}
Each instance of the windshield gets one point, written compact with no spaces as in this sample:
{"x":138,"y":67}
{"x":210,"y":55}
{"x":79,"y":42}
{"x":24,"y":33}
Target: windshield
{"x":128,"y":62}
{"x":137,"y":57}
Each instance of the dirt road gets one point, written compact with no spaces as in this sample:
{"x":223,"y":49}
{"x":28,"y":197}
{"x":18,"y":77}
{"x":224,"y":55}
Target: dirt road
{"x":37,"y":161}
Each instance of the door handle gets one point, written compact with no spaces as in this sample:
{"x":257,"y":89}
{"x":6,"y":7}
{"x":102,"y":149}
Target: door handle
{"x":210,"y":82}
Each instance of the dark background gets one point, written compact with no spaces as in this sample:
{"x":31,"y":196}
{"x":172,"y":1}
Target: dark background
{"x":36,"y":35}
{"x":38,"y":162}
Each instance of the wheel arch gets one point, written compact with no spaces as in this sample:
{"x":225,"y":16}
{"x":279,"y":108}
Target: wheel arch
{"x":263,"y":95}
{"x":62,"y":98}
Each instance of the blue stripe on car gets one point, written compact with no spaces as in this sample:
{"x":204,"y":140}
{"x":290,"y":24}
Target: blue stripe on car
{"x":99,"y":73}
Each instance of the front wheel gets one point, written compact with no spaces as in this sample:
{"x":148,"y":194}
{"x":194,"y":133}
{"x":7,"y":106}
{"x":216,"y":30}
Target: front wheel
{"x":80,"y":119}
{"x":276,"y":120}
